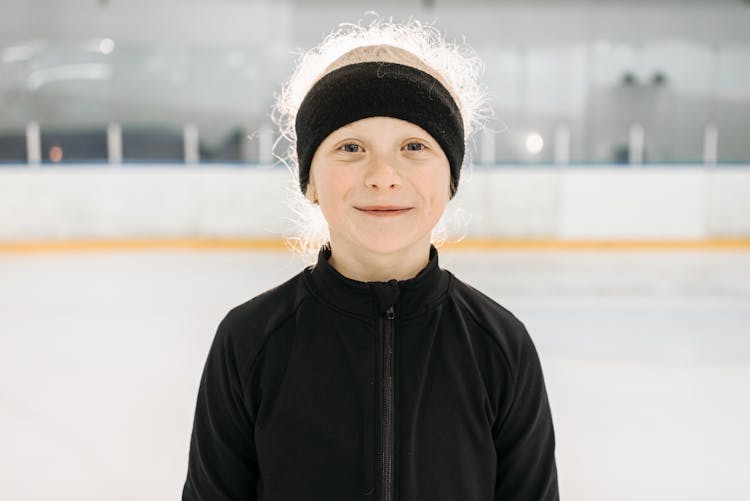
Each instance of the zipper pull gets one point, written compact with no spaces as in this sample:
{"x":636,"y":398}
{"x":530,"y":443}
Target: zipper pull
{"x":389,"y":313}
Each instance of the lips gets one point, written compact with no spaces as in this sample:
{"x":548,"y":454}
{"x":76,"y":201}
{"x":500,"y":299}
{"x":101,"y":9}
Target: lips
{"x":384,"y":211}
{"x":382,"y":208}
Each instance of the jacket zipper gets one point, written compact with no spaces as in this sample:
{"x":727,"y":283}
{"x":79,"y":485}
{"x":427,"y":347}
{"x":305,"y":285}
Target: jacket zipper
{"x":386,"y":458}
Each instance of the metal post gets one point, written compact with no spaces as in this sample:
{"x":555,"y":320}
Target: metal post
{"x":114,"y":143}
{"x":562,"y":145}
{"x":265,"y":146}
{"x":711,"y":145}
{"x":635,"y":144}
{"x":33,"y":144}
{"x":190,"y":137}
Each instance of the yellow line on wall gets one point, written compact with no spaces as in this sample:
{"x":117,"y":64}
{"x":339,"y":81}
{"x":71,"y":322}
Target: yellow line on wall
{"x":499,"y":244}
{"x":278,"y":244}
{"x":143,"y":244}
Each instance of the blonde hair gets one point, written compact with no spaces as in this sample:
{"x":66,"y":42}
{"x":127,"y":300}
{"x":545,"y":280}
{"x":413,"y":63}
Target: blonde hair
{"x":414,"y":44}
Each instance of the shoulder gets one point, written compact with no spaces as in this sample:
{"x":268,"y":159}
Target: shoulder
{"x":245,"y":329}
{"x":267,"y":309}
{"x":507,"y":353}
{"x":493,"y":320}
{"x":486,"y":311}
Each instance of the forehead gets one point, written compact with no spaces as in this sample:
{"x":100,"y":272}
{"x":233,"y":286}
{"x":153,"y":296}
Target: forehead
{"x":380,"y":127}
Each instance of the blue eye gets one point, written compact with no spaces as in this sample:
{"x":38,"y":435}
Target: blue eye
{"x":414,"y":146}
{"x":351,"y":148}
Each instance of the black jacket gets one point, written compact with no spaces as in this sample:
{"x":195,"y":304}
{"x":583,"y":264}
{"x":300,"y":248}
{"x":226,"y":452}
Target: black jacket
{"x":329,"y":389}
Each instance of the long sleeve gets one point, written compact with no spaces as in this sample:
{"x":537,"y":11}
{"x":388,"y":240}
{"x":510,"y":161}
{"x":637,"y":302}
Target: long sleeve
{"x":524,"y":435}
{"x":222,"y":463}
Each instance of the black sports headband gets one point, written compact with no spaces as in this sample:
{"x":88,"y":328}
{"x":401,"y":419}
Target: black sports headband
{"x":370,"y":89}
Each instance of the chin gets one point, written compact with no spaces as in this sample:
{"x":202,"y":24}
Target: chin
{"x":385,"y":249}
{"x":390,"y":246}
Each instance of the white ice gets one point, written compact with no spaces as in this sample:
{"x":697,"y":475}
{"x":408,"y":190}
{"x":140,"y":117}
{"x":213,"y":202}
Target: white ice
{"x":646,"y":357}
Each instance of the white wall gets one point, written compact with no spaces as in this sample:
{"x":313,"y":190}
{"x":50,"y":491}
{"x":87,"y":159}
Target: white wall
{"x":572,"y":203}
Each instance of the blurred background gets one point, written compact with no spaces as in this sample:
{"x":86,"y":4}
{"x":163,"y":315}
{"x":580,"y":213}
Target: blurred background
{"x":608,"y":207}
{"x":580,"y":78}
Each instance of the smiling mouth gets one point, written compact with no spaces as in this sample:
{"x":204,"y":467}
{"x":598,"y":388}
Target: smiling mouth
{"x":384,"y":211}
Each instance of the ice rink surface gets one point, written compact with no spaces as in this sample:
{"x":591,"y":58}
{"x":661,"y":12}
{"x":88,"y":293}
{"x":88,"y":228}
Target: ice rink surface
{"x":646,"y":357}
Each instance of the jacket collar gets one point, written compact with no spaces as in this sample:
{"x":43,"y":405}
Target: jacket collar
{"x":367,"y":299}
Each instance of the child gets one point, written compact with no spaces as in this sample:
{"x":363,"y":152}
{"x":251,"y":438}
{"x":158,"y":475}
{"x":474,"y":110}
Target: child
{"x":375,"y":374}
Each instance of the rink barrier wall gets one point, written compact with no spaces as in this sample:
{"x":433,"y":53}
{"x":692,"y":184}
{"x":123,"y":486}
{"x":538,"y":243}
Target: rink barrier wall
{"x":249,"y":244}
{"x":220,"y":206}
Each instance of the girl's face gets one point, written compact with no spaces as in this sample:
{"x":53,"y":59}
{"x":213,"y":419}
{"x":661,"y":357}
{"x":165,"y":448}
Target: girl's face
{"x":382,"y":184}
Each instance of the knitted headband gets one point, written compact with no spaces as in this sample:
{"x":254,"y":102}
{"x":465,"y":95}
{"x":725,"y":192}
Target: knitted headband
{"x":370,"y":89}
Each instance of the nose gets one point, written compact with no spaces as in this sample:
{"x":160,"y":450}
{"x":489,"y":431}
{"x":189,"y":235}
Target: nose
{"x":382,"y":174}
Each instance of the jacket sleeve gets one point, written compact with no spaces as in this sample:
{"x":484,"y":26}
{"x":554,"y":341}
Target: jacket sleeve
{"x":524,"y":435}
{"x":222,"y":463}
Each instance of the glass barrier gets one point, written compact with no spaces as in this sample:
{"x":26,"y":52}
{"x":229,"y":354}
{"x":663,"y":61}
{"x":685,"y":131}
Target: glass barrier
{"x":603,"y":102}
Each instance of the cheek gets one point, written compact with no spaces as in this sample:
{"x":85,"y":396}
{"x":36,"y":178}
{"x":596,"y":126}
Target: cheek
{"x":334,"y":192}
{"x":332,"y":185}
{"x":438,"y":186}
{"x":438,"y":204}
